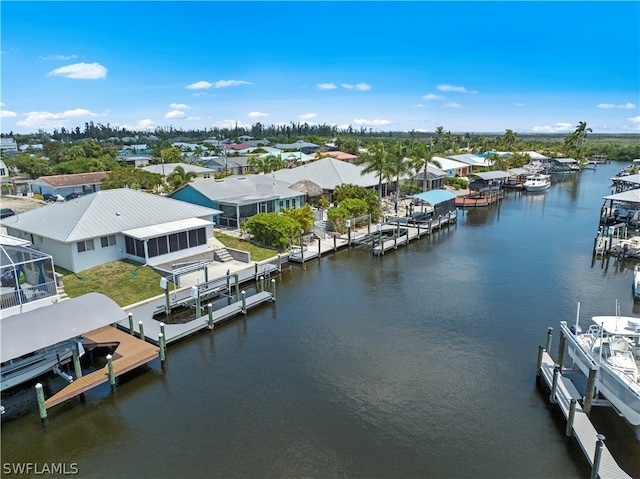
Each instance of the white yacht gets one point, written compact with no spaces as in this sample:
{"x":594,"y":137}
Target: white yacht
{"x":611,"y":345}
{"x":537,"y":182}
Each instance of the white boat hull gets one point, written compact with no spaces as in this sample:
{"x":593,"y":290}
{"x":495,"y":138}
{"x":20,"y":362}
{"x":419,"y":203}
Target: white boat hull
{"x":619,"y":389}
{"x":25,"y":369}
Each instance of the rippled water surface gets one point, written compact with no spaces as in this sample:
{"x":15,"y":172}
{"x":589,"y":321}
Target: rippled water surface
{"x":420,"y":363}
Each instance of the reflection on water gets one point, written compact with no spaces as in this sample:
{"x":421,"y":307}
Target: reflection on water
{"x":417,"y":363}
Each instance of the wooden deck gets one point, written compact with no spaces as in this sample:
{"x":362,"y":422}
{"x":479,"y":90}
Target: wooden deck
{"x":129,"y":354}
{"x":477,"y":201}
{"x":583,"y":430}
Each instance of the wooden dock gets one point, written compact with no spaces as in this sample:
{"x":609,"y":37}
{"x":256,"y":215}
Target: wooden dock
{"x":583,"y":430}
{"x":410,"y":232}
{"x":129,"y":354}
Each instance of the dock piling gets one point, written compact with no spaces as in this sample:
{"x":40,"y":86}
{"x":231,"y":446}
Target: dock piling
{"x":273,"y":290}
{"x":243,"y":294}
{"x":561,"y":346}
{"x":549,"y":338}
{"x":590,"y":392}
{"x":131,"y":330}
{"x":76,"y":361}
{"x":161,"y":349}
{"x":141,"y":326}
{"x":597,"y":456}
{"x":112,"y":378}
{"x":261,"y":284}
{"x":210,"y":313}
{"x":41,"y":407}
{"x":539,"y":368}
{"x":568,"y":433}
{"x":554,"y":385}
{"x":162,"y":330}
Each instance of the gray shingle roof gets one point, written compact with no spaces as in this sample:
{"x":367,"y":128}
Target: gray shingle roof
{"x":104,"y":213}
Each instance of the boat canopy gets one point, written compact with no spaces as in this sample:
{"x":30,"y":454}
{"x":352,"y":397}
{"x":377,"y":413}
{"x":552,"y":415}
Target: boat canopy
{"x":434,"y":197}
{"x":25,"y":333}
{"x":492,"y":175}
{"x":631,"y":196}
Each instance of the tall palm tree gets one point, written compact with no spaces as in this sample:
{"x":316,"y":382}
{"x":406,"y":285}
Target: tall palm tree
{"x":398,"y":165}
{"x":421,"y":155}
{"x":509,"y":139}
{"x":576,"y":141}
{"x":375,"y":160}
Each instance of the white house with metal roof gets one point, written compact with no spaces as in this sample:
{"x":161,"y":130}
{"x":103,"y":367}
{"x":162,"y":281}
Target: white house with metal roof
{"x":474,"y":161}
{"x":115,"y":224}
{"x":240,"y":197}
{"x":167,"y":168}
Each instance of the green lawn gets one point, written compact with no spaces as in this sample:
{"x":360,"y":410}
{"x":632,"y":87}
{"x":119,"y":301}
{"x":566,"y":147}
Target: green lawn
{"x":118,"y":281}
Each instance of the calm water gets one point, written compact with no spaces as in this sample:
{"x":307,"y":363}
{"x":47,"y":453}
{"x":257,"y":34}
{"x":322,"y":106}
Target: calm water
{"x":420,"y":363}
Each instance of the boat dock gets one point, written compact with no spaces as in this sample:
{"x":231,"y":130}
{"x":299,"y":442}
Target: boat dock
{"x":402,"y":233}
{"x":129,"y":354}
{"x":566,"y":397}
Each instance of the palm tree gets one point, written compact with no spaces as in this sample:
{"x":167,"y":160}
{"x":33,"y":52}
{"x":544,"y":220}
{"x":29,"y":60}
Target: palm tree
{"x":398,"y":165}
{"x":509,"y":139}
{"x":421,"y":156}
{"x":576,"y":140}
{"x":375,"y":161}
{"x":179,"y":177}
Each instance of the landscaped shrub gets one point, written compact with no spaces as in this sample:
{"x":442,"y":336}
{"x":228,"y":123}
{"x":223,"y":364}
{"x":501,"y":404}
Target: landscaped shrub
{"x":274,"y":229}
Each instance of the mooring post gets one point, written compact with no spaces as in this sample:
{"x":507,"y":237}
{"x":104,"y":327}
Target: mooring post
{"x":590,"y":392}
{"x":597,"y":456}
{"x":261,"y":284}
{"x":206,"y":274}
{"x":131,"y":330}
{"x":76,"y":361}
{"x":430,"y":227}
{"x":554,"y":384}
{"x":319,"y":248}
{"x":41,"y":407}
{"x":228,"y":287}
{"x":279,"y":263}
{"x":418,"y":225}
{"x":141,"y":326}
{"x":161,"y":351}
{"x":349,"y":233}
{"x":335,"y":248}
{"x":112,"y":378}
{"x":243,"y":294}
{"x":568,"y":433}
{"x":255,"y":275}
{"x":237,"y":288}
{"x":210,"y":313}
{"x":549,"y":338}
{"x":167,"y":302}
{"x":273,"y":290}
{"x":561,"y":345}
{"x":539,"y":367}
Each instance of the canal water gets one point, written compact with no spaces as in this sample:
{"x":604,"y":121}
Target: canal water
{"x":419,"y":363}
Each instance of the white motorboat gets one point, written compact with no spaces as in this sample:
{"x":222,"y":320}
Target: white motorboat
{"x":537,"y":182}
{"x":636,"y":283}
{"x":611,"y":345}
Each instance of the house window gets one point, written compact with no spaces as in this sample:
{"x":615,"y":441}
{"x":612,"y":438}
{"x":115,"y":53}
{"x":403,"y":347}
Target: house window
{"x":207,"y":176}
{"x":107,"y":241}
{"x":3,"y":172}
{"x":134,"y":247}
{"x":86,"y":245}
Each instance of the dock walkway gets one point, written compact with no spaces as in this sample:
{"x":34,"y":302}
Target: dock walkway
{"x":129,"y":354}
{"x":417,"y":230}
{"x":583,"y":430}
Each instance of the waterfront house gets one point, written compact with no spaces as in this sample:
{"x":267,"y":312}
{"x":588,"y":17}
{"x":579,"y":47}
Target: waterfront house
{"x":111,"y":225}
{"x":64,"y":185}
{"x":240,"y":197}
{"x":451,"y":167}
{"x":165,"y":169}
{"x":474,"y":161}
{"x":338,"y":155}
{"x":329,"y":173}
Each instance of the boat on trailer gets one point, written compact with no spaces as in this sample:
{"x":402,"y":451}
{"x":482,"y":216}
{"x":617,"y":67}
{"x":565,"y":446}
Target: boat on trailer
{"x":611,"y":346}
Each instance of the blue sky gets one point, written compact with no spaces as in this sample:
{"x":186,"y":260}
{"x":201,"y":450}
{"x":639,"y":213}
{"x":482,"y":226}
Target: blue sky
{"x":465,"y":66}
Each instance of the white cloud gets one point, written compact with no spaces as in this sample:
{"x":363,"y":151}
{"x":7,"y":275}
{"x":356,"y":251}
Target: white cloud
{"x":363,"y":87}
{"x":326,"y":86}
{"x":347,"y":86}
{"x":634,"y":119}
{"x":193,"y":118}
{"x":257,"y":114}
{"x":307,"y":116}
{"x":174,"y":114}
{"x":81,"y":71}
{"x":635,"y":124}
{"x":60,"y":57}
{"x":432,"y":96}
{"x":419,"y":105}
{"x":519,"y":104}
{"x":557,"y":128}
{"x":228,"y":83}
{"x":453,"y":105}
{"x":145,"y":124}
{"x":7,"y":114}
{"x":230,"y":124}
{"x":179,"y":106}
{"x":199,"y":85}
{"x":44,"y":119}
{"x":625,"y":106}
{"x":457,"y":89}
{"x":377,"y":122}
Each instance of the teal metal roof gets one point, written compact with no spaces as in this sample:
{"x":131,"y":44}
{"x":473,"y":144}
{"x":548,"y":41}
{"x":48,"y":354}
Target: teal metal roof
{"x":435,"y":197}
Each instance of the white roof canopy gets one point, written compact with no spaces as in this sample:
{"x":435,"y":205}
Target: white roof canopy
{"x":153,"y":231}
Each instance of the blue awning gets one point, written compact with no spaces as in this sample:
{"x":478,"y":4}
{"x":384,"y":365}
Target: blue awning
{"x":434,"y":197}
